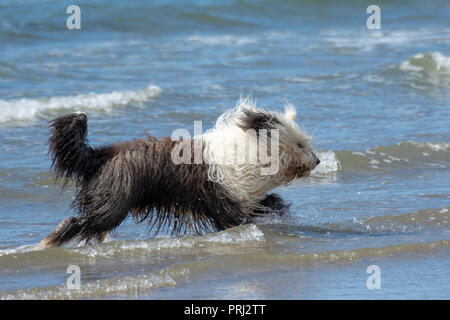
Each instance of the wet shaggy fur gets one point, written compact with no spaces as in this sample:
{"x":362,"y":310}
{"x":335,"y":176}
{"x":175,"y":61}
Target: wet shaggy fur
{"x":139,"y":178}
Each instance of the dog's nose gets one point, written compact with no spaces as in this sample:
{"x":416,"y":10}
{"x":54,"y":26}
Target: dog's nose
{"x":318,"y":161}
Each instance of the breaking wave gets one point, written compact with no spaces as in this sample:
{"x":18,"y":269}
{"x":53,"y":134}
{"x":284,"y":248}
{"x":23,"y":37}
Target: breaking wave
{"x":369,"y":41}
{"x":29,"y":109}
{"x":132,"y":286}
{"x":431,"y":68}
{"x":238,"y":235}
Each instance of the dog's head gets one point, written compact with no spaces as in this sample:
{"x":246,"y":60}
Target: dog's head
{"x":292,"y":146}
{"x":251,"y":151}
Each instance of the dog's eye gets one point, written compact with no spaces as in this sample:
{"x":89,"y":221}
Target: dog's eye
{"x":299,"y":146}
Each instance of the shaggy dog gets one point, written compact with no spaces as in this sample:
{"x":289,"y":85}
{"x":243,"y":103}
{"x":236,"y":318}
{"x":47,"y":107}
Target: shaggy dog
{"x":145,"y":178}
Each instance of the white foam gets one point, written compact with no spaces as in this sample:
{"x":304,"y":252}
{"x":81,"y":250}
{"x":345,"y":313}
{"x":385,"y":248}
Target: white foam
{"x":429,"y":61}
{"x":438,"y":146}
{"x":366,"y":41}
{"x":328,"y":163}
{"x":407,"y":66}
{"x":29,"y":109}
{"x":246,"y":233}
{"x":126,"y":247}
{"x":434,"y":146}
{"x":20,"y":250}
{"x":126,"y":285}
{"x":237,"y":235}
{"x":222,"y":40}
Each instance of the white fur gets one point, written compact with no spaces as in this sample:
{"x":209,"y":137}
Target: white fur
{"x":233,"y":163}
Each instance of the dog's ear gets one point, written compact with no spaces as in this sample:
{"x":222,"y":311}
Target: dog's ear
{"x":256,"y":120}
{"x":290,"y":112}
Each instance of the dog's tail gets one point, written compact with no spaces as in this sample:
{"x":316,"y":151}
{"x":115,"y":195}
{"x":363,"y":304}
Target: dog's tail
{"x":72,"y":157}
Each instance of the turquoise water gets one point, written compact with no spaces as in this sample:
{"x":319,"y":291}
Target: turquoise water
{"x":376,"y":102}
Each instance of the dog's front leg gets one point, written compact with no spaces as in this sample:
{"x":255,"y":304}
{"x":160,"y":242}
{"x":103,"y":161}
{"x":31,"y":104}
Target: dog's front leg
{"x":273,"y":203}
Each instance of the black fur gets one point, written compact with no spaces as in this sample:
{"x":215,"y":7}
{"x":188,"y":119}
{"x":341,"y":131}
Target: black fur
{"x":257,"y":120}
{"x":140,"y":178}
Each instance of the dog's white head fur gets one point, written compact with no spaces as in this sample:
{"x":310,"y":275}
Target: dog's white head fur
{"x":239,"y":146}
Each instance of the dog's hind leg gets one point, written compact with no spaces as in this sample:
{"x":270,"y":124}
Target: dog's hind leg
{"x":66,"y":230}
{"x":87,"y":228}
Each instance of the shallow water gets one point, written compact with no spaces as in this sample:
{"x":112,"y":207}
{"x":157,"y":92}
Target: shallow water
{"x":376,"y":102}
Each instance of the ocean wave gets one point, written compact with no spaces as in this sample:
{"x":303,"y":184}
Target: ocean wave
{"x":134,"y":285}
{"x":393,"y":224}
{"x":405,"y":155}
{"x":234,"y":236}
{"x":29,"y":109}
{"x":122,"y":286}
{"x":430,"y":68}
{"x":343,"y":256}
{"x":238,"y":235}
{"x":432,"y":62}
{"x":222,"y":40}
{"x":20,"y":250}
{"x":369,"y":41}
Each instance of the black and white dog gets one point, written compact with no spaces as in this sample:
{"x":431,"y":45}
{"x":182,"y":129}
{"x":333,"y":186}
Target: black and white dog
{"x":145,"y":178}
